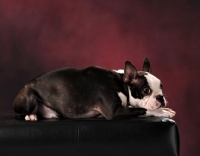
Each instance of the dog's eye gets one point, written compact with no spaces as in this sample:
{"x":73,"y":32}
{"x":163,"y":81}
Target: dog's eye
{"x":147,"y":90}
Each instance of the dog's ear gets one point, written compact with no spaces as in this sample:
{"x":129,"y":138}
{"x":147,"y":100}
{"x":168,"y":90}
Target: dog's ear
{"x":147,"y":66}
{"x":129,"y":72}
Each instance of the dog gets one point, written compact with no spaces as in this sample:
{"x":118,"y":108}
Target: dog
{"x":93,"y":92}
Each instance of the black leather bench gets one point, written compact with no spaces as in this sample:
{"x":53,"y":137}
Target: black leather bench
{"x":89,"y":137}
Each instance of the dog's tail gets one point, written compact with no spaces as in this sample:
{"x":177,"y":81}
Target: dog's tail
{"x":26,"y":101}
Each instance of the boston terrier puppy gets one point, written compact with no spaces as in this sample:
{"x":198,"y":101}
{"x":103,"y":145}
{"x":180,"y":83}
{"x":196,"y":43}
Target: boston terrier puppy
{"x":93,"y":92}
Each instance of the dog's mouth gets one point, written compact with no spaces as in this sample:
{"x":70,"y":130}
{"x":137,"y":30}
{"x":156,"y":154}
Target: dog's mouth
{"x":153,"y":102}
{"x":156,"y":105}
{"x":160,"y":105}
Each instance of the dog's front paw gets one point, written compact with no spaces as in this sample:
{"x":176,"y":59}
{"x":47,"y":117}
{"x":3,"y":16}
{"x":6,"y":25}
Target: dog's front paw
{"x":169,"y":112}
{"x":31,"y":117}
{"x":161,"y":112}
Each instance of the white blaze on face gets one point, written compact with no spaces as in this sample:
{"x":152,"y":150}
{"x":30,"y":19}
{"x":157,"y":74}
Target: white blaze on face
{"x":154,"y":83}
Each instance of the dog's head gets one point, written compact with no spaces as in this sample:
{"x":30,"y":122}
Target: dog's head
{"x":145,"y":90}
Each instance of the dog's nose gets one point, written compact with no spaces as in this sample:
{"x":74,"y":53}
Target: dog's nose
{"x":160,"y":98}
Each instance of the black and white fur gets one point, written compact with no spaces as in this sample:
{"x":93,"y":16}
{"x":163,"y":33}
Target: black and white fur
{"x":93,"y":92}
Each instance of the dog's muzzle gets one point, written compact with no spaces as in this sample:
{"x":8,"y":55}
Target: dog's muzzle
{"x":160,"y":98}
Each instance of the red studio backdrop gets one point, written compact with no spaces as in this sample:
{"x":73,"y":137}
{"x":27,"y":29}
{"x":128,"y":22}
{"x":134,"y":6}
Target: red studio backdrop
{"x":38,"y":36}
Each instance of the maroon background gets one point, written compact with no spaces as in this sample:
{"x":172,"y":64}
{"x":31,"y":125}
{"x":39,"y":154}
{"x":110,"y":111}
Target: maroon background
{"x":38,"y":36}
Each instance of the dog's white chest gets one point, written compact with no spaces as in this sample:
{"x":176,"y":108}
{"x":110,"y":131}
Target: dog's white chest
{"x":123,"y":99}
